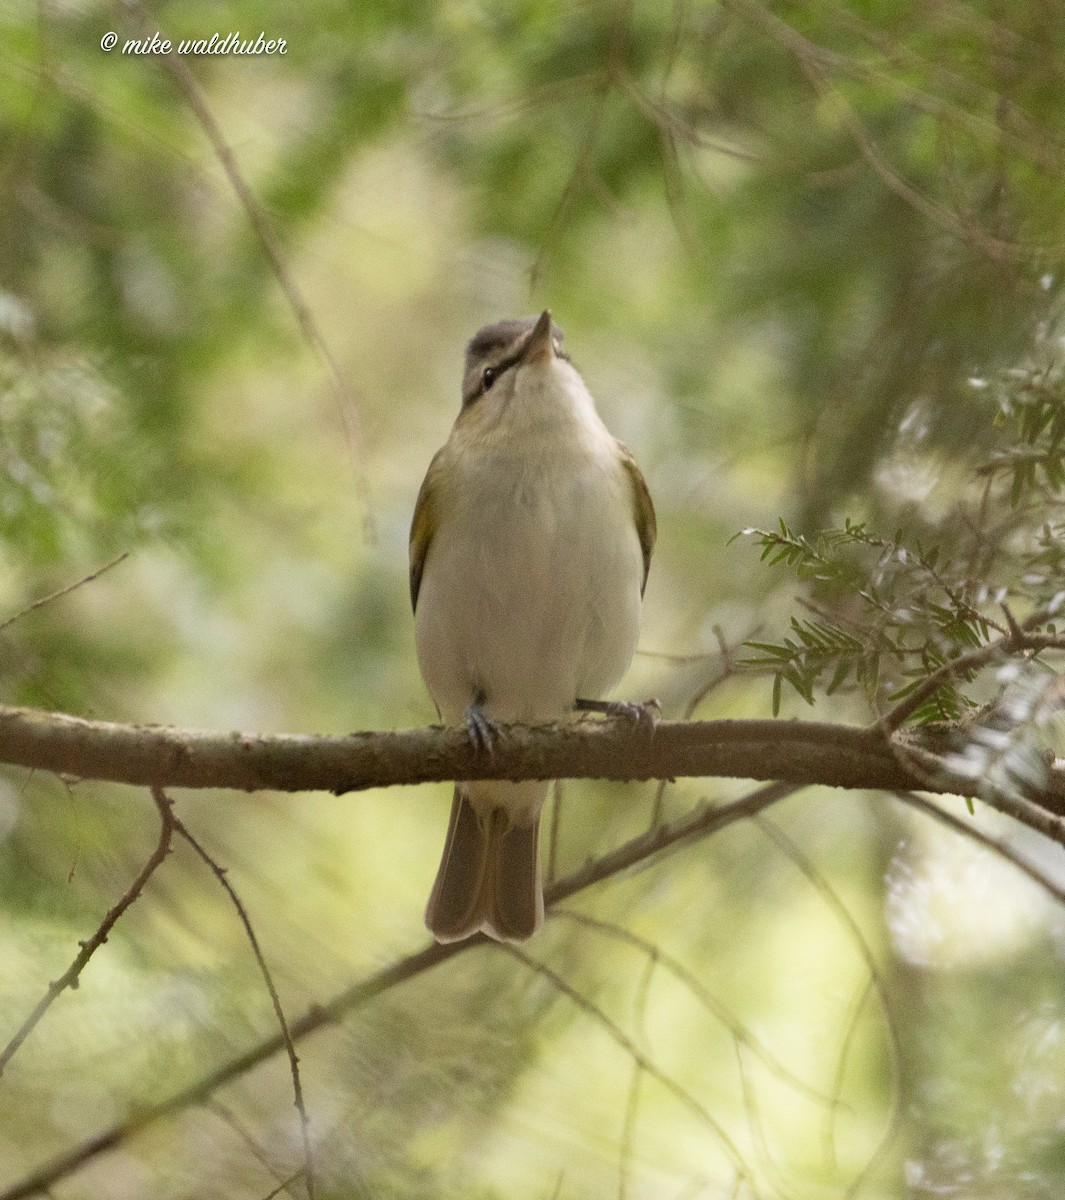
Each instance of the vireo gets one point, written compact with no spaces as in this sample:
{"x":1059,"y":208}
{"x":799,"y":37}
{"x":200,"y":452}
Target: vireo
{"x":529,"y":551}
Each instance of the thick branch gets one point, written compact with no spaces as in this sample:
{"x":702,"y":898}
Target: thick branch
{"x":798,"y":752}
{"x":795,"y":752}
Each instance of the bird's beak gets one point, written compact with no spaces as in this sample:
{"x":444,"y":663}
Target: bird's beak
{"x":540,"y":347}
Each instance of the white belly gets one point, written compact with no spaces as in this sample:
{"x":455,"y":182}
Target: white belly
{"x":530,"y":591}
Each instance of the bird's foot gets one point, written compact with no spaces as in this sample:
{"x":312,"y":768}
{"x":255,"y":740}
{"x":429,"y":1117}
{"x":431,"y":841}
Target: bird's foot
{"x":645,"y":715}
{"x":480,"y":728}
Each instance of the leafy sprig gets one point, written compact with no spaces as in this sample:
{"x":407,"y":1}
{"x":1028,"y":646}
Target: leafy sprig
{"x":895,"y":619}
{"x":892,"y":612}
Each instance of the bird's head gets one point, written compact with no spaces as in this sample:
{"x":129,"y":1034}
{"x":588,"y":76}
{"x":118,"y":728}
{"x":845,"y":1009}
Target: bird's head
{"x":502,"y":358}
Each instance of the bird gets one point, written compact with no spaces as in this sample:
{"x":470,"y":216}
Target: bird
{"x":530,"y":547}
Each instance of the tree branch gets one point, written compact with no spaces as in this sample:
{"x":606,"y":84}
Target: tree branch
{"x":794,"y":752}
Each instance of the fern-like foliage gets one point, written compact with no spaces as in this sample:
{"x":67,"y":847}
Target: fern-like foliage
{"x":885,"y":618}
{"x":887,"y":613}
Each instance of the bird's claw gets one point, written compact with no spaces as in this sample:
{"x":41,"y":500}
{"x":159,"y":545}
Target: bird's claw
{"x":645,"y":714}
{"x":480,"y":728}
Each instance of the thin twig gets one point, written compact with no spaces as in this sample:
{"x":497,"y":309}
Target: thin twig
{"x":507,"y":109}
{"x":240,"y":1129}
{"x":846,"y":919}
{"x":639,"y":1008}
{"x":585,"y":155}
{"x":284,"y":1185}
{"x":582,"y":166}
{"x":996,"y":845}
{"x":63,"y":591}
{"x":632,"y":1105}
{"x":221,"y":875}
{"x":69,"y":978}
{"x":740,"y":1033}
{"x":628,"y":1130}
{"x":849,"y":1035}
{"x":618,"y":1035}
{"x":1020,"y":808}
{"x":751,"y":1107}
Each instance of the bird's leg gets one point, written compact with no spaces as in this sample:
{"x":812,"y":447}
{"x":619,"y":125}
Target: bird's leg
{"x":480,"y":728}
{"x":645,"y":714}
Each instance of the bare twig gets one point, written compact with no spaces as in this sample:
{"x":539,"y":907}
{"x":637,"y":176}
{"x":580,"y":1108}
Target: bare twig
{"x":284,"y":1185}
{"x":69,"y":978}
{"x":634,"y":1052}
{"x":1020,"y":808}
{"x":583,"y":166}
{"x":739,"y":1031}
{"x":233,"y":1121}
{"x":508,"y":108}
{"x":632,"y":1105}
{"x":628,"y":1129}
{"x":639,"y":1014}
{"x":580,"y":170}
{"x":846,"y":919}
{"x":754,"y":1119}
{"x":996,"y":845}
{"x":221,"y":875}
{"x":796,"y":753}
{"x":850,"y":1032}
{"x":63,"y":591}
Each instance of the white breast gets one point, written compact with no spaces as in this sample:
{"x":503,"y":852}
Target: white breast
{"x":531,"y":586}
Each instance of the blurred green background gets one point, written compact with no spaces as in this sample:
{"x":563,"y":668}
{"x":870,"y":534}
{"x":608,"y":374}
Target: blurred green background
{"x":781,"y":238}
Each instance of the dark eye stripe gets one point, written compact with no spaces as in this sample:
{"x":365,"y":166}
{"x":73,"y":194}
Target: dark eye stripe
{"x":497,"y":371}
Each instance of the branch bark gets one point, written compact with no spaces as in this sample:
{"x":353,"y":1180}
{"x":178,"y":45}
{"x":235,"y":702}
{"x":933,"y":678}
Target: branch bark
{"x":145,"y":755}
{"x":794,"y":752}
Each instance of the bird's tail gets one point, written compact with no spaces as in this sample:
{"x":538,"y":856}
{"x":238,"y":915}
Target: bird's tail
{"x":489,"y":876}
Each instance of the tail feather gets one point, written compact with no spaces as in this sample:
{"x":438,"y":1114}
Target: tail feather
{"x":513,"y":894}
{"x":489,"y":876}
{"x":454,"y":910}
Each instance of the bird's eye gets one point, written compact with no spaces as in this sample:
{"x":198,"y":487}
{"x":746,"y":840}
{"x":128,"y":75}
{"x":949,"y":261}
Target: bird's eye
{"x":488,"y":377}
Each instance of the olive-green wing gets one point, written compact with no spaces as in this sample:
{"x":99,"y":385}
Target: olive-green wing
{"x":423,"y":526}
{"x":643,"y":510}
